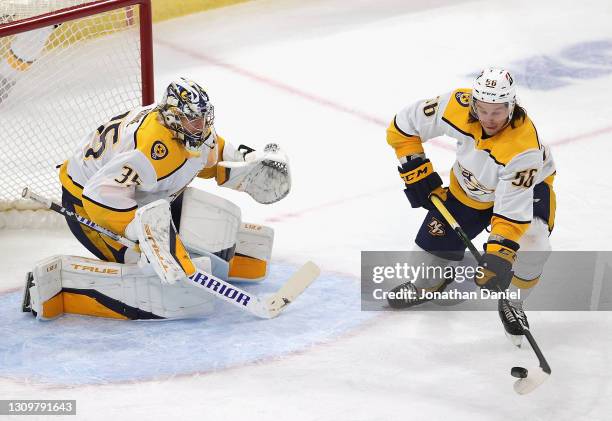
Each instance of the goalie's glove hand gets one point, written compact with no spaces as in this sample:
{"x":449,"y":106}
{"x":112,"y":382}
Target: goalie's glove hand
{"x":496,"y":267}
{"x":264,"y":175}
{"x":421,"y":180}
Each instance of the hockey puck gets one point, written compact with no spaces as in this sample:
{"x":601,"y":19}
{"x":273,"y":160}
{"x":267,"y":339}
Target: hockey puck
{"x":519,"y":372}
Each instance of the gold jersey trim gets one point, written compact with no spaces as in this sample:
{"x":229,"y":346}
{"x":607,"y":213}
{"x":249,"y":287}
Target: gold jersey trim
{"x":68,"y":183}
{"x":403,"y":143}
{"x":150,"y":137}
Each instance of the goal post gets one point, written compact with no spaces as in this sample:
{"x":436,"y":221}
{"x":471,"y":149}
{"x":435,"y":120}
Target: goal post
{"x":63,"y":72}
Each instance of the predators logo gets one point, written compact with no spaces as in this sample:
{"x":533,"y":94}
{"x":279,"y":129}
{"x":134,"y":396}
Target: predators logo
{"x":472,"y":184}
{"x":463,"y":98}
{"x":158,"y":150}
{"x":436,"y":228}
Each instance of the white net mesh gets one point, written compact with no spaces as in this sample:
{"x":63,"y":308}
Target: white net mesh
{"x":12,"y":10}
{"x":56,"y":85}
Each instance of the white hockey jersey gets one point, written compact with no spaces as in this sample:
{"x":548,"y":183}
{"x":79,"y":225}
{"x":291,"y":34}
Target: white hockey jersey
{"x":130,"y":161}
{"x":499,"y":171}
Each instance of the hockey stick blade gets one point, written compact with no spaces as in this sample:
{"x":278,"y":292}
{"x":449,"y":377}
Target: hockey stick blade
{"x":537,"y":375}
{"x":293,"y":288}
{"x":534,"y":379}
{"x":266,"y":309}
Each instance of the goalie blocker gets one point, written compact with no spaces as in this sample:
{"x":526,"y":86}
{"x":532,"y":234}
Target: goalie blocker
{"x":212,"y":232}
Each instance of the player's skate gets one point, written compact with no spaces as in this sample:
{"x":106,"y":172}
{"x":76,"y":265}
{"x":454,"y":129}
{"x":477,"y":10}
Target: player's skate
{"x":409,"y":295}
{"x":514,"y":320}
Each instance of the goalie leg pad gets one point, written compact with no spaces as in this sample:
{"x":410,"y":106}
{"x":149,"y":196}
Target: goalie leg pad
{"x":45,"y":290}
{"x":78,"y":285}
{"x":209,"y":224}
{"x":253,"y":253}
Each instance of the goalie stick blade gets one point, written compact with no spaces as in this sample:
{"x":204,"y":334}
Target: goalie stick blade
{"x":292,"y":289}
{"x":534,"y":379}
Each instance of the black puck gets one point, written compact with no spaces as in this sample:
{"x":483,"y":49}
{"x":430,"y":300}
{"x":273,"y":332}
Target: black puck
{"x":519,"y":372}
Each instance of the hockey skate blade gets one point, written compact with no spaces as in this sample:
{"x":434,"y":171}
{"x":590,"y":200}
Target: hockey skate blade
{"x":292,"y":289}
{"x":534,"y":379}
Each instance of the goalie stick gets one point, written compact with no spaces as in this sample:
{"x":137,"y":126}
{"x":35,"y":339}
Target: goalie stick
{"x":528,"y":380}
{"x":267,"y":308}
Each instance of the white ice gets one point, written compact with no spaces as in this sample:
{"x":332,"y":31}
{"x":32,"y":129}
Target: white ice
{"x":323,"y":79}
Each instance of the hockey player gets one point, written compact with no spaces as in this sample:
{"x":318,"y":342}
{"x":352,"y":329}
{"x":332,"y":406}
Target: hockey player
{"x":502,"y":177}
{"x":125,"y":166}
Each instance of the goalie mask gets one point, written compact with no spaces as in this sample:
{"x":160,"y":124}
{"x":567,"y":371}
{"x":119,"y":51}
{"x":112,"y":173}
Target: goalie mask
{"x":186,"y":110}
{"x":494,"y":86}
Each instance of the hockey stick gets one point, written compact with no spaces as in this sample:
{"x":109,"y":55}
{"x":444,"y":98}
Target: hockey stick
{"x":268,"y":308}
{"x":529,"y":380}
{"x":49,"y":204}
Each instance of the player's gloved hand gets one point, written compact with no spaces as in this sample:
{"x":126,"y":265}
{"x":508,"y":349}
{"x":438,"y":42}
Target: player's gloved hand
{"x":421,"y":180}
{"x":497,"y":262}
{"x":264,"y":175}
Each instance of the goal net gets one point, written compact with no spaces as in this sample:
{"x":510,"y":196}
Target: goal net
{"x":66,"y":66}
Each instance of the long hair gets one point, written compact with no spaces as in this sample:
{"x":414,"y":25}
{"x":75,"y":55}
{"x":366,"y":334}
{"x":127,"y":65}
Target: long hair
{"x":519,"y":114}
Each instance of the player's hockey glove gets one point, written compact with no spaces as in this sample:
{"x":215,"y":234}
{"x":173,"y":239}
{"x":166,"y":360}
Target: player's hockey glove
{"x":496,"y":267}
{"x":421,"y":180}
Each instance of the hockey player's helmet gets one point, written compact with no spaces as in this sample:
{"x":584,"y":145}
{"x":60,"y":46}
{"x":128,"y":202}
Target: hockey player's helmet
{"x":186,"y":110}
{"x":495,"y":86}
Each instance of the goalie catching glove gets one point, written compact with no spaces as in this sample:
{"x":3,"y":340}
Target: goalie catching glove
{"x":264,"y":175}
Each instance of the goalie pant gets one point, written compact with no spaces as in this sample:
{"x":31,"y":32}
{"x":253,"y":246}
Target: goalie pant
{"x":216,"y":238}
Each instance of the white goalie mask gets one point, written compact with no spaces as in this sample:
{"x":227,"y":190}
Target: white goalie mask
{"x":494,"y":86}
{"x":186,"y":110}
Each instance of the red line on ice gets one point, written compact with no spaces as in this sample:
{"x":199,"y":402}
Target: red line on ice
{"x":328,"y":102}
{"x":289,"y":89}
{"x":337,"y":107}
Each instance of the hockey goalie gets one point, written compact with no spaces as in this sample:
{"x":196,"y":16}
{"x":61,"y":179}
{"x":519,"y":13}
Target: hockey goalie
{"x":130,"y":177}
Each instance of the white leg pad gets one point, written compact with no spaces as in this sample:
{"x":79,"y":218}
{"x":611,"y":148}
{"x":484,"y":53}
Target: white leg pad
{"x":124,"y":286}
{"x":254,"y":244}
{"x":47,"y":284}
{"x":255,"y":241}
{"x":209,"y":224}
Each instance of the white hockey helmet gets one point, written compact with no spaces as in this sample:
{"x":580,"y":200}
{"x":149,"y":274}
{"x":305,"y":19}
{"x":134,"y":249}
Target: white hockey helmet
{"x":495,"y":86}
{"x":187,"y":111}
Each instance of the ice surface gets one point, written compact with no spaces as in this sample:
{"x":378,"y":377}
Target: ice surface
{"x":74,"y":350}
